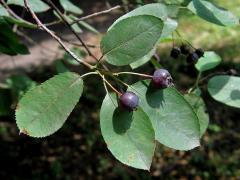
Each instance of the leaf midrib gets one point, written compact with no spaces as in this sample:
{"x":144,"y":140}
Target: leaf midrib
{"x":131,"y":39}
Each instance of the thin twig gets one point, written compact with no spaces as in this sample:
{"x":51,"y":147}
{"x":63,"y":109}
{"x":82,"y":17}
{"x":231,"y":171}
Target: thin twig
{"x":106,"y":89}
{"x":77,"y":44}
{"x":53,"y":23}
{"x":65,"y":21}
{"x":132,"y":73}
{"x":109,"y":84}
{"x":96,"y":14}
{"x":125,"y":84}
{"x":41,"y":26}
{"x":87,"y":74}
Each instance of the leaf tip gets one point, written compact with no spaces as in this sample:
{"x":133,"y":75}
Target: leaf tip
{"x":24,"y":132}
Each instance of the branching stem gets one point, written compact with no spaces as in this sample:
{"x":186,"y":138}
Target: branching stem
{"x":43,"y":27}
{"x":133,"y":73}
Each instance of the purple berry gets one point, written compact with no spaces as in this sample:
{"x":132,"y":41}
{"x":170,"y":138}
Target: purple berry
{"x":185,"y":49}
{"x":192,"y":58}
{"x":199,"y":52}
{"x":162,"y":79}
{"x":129,"y":100}
{"x":175,"y":52}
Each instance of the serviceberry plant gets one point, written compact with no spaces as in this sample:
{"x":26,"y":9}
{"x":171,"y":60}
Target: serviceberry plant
{"x":151,"y":110}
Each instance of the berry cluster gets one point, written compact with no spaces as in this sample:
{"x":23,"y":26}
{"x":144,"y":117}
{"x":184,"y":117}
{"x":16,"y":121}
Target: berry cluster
{"x":192,"y":56}
{"x":161,"y":79}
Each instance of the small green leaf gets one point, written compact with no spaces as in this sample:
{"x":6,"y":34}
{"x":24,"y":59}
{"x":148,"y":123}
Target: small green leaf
{"x":44,"y":109}
{"x":211,"y":13}
{"x":131,"y":39}
{"x":5,"y":15}
{"x":88,"y":26}
{"x":128,"y":135}
{"x":70,"y":7}
{"x":18,"y":22}
{"x":174,"y":121}
{"x":198,"y":105}
{"x":37,"y":6}
{"x":209,"y":61}
{"x":225,"y":89}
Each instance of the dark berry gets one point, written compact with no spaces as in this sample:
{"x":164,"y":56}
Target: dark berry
{"x":175,"y":52}
{"x":129,"y":100}
{"x":162,"y":79}
{"x":199,"y":52}
{"x":192,"y":58}
{"x":185,"y":49}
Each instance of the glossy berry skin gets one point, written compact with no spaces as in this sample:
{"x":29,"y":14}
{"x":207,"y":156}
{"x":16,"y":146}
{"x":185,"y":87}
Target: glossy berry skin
{"x":175,"y":52}
{"x":185,"y":50}
{"x":162,"y":79}
{"x":129,"y":101}
{"x":192,"y":58}
{"x":199,"y":52}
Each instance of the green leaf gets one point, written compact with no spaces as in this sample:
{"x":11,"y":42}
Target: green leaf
{"x":37,"y":6}
{"x":225,"y":89}
{"x":158,"y":10}
{"x":19,"y":85}
{"x":44,"y":109}
{"x":169,"y":26}
{"x":60,"y":67}
{"x":143,"y":60}
{"x":198,"y":105}
{"x":131,"y":39}
{"x":174,"y":121}
{"x":5,"y":15}
{"x":209,"y":61}
{"x":9,"y":43}
{"x":18,"y":22}
{"x":70,"y":7}
{"x":211,"y":13}
{"x":128,"y":135}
